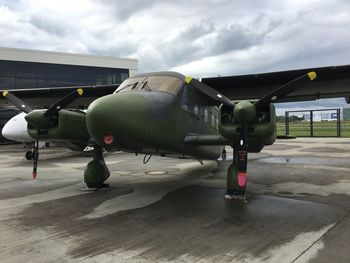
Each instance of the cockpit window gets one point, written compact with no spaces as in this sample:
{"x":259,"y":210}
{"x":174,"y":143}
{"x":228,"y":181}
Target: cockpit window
{"x":167,"y":84}
{"x":164,"y":83}
{"x":129,"y":84}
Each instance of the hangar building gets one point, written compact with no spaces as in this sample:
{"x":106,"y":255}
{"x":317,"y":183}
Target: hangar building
{"x":23,"y":69}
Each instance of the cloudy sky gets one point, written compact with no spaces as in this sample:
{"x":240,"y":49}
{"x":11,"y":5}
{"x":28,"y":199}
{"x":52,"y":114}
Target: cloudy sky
{"x":200,"y":38}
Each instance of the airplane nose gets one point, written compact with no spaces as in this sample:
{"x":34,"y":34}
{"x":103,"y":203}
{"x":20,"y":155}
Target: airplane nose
{"x":6,"y":131}
{"x":117,"y":115}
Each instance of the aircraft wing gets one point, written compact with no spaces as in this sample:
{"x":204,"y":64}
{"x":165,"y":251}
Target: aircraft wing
{"x":44,"y":97}
{"x":331,"y":82}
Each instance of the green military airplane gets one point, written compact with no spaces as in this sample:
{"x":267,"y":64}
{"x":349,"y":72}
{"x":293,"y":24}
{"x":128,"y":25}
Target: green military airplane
{"x":166,"y":113}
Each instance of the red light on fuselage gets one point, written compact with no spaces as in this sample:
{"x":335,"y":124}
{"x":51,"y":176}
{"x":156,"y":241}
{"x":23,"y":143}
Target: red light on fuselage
{"x":108,"y":139}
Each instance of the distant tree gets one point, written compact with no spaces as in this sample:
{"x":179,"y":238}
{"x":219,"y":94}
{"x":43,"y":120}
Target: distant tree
{"x":280,"y":118}
{"x":295,"y":118}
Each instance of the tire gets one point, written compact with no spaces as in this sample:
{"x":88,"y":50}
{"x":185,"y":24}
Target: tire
{"x":29,"y":155}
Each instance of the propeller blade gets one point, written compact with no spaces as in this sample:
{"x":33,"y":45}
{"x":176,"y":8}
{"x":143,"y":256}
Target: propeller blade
{"x":210,"y":92}
{"x":20,"y":104}
{"x":63,"y":102}
{"x":285,"y":89}
{"x":36,"y":155}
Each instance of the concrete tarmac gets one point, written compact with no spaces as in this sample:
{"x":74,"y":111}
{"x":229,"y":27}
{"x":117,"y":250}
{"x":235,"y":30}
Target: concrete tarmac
{"x":173,"y":210}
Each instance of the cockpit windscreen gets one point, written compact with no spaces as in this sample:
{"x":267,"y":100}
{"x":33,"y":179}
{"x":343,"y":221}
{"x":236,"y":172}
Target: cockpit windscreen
{"x":169,"y":84}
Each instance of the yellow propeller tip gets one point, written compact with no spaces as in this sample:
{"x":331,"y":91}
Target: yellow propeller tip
{"x":312,"y":75}
{"x":80,"y":91}
{"x":5,"y":93}
{"x":188,"y":79}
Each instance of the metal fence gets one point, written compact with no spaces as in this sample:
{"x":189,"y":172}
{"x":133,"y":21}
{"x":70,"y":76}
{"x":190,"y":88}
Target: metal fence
{"x":314,"y":123}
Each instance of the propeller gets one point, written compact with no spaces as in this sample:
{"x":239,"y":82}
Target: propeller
{"x":210,"y":92}
{"x":285,"y":89}
{"x":21,"y":105}
{"x":40,"y":120}
{"x":245,"y":113}
{"x":63,"y":102}
{"x":271,"y":97}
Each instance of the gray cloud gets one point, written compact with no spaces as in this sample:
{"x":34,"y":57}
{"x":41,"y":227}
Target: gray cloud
{"x":123,"y":10}
{"x":198,"y":37}
{"x":49,"y":26}
{"x":233,"y":38}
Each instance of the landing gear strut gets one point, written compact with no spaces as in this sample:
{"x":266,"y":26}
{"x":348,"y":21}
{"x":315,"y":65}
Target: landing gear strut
{"x":237,"y":176}
{"x":96,"y":171}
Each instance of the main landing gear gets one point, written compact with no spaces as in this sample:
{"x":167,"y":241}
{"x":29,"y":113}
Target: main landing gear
{"x":237,"y":176}
{"x":96,"y":171}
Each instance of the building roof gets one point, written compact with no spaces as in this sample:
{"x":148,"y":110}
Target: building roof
{"x":28,"y":55}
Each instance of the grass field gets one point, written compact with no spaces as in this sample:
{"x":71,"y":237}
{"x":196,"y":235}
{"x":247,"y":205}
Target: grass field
{"x":320,"y":129}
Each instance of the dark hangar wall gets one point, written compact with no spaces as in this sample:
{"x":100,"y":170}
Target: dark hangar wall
{"x":25,"y":75}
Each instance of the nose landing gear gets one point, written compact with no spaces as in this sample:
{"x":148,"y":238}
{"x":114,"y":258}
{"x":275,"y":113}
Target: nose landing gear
{"x":96,"y":171}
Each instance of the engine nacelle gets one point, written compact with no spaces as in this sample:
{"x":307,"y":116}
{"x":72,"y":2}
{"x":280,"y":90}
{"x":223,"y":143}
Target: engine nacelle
{"x":65,"y":125}
{"x":261,"y":130}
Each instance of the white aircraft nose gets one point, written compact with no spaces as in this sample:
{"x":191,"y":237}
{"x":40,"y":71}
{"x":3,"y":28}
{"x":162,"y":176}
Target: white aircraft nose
{"x":16,"y":129}
{"x":6,"y":131}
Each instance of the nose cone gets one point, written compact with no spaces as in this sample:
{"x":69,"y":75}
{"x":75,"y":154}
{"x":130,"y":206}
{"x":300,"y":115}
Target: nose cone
{"x":37,"y":119}
{"x":244,"y":112}
{"x":117,"y":115}
{"x":16,"y":129}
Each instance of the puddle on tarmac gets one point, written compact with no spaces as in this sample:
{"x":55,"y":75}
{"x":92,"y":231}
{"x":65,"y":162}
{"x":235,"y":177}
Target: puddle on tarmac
{"x":307,"y":160}
{"x":156,"y":172}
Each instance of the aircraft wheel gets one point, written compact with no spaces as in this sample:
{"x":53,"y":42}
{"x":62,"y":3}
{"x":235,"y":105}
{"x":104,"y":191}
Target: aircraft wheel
{"x":96,"y":172}
{"x":29,"y":155}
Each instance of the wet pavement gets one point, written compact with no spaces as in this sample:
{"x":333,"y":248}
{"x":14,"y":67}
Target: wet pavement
{"x":173,"y":210}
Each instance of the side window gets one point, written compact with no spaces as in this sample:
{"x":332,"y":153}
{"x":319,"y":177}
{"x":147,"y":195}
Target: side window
{"x":184,"y":100}
{"x":189,"y":101}
{"x":192,"y":101}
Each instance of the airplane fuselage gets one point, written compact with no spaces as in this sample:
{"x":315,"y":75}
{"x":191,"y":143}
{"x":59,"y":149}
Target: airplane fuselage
{"x":152,"y":114}
{"x":152,"y":122}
